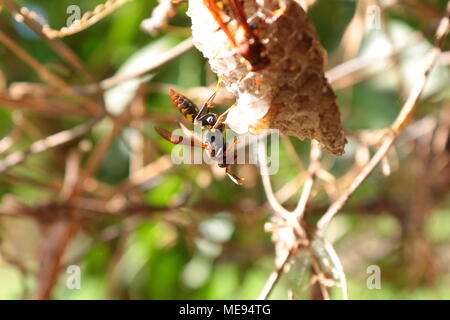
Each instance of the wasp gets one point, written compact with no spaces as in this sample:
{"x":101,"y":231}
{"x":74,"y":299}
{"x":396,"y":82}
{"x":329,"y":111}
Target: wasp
{"x":213,"y":128}
{"x":246,"y":40}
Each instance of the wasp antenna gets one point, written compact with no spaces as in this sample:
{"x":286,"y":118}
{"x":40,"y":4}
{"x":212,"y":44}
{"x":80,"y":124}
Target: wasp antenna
{"x":173,"y":92}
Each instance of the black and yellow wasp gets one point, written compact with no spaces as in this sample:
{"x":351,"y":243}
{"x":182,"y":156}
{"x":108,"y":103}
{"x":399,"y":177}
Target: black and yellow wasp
{"x":213,"y":127}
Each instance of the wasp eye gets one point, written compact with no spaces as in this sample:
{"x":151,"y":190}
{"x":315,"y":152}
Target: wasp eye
{"x":209,"y":121}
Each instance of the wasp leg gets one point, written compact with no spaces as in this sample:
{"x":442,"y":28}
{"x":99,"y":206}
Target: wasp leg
{"x":209,"y":101}
{"x":222,"y":116}
{"x":226,"y":154}
{"x":225,"y":23}
{"x":226,"y":165}
{"x":231,"y":146}
{"x":216,"y":13}
{"x":239,"y":181}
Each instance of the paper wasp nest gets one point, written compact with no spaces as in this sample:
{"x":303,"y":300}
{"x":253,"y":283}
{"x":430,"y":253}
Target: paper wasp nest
{"x":290,"y":94}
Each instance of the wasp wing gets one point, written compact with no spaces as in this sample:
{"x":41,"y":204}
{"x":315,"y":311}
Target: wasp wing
{"x":239,"y":15}
{"x":216,"y":12}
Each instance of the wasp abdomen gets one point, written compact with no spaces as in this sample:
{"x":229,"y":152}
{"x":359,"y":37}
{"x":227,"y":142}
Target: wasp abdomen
{"x":184,"y":105}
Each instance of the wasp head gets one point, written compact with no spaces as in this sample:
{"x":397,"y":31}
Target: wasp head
{"x":208,"y":120}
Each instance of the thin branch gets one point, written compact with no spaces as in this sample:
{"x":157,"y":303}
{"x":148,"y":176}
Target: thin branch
{"x":292,"y":219}
{"x":140,"y":177}
{"x":60,"y":47}
{"x":44,"y":106}
{"x":307,"y":188}
{"x":320,"y":277}
{"x":274,"y":203}
{"x":159,"y":62}
{"x":161,"y":14}
{"x":71,"y":173}
{"x":94,"y":162}
{"x":338,"y":267}
{"x":44,"y":73}
{"x":355,"y":65}
{"x":396,"y":128}
{"x":274,"y":277}
{"x":45,"y":144}
{"x":52,"y":259}
{"x":87,"y":20}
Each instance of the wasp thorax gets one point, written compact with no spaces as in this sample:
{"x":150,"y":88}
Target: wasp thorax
{"x":279,"y":83}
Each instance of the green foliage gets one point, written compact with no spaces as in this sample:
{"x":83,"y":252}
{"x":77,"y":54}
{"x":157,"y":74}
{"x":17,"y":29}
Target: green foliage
{"x":331,"y":19}
{"x":161,"y":195}
{"x":215,"y":246}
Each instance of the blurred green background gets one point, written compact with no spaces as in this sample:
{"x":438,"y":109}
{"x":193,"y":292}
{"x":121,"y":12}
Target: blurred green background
{"x":199,"y":236}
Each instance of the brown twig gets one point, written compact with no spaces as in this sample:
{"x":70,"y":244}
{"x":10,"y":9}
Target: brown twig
{"x":274,"y":277}
{"x":389,"y":139}
{"x":264,"y":171}
{"x":159,"y":62}
{"x":44,"y":73}
{"x":87,"y":20}
{"x":292,"y":220}
{"x":93,"y":163}
{"x":45,"y":144}
{"x":56,"y":44}
{"x":44,"y":106}
{"x":53,"y":254}
{"x":396,"y":128}
{"x":320,"y":277}
{"x":161,"y":14}
{"x":314,"y":167}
